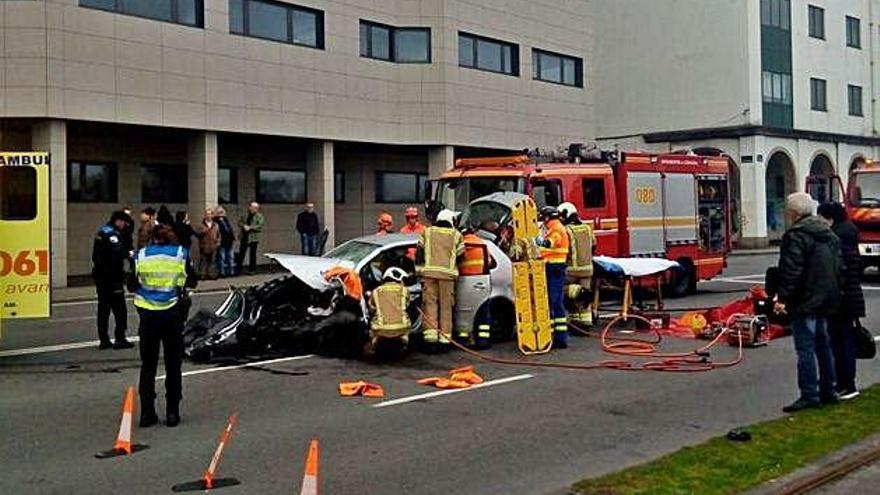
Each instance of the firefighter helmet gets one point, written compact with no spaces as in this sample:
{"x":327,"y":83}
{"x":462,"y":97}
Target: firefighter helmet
{"x":549,"y":212}
{"x":394,"y":274}
{"x":446,"y":216}
{"x":411,"y":212}
{"x":567,"y":209}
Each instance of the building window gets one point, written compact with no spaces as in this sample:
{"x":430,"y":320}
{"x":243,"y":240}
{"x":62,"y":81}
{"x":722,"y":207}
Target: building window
{"x":227,"y":186}
{"x":339,"y":187}
{"x":164,"y":184}
{"x":855,"y":100}
{"x":277,"y":22}
{"x":556,"y":68}
{"x":400,"y":187}
{"x":395,"y":44}
{"x":281,"y":186}
{"x":594,"y":193}
{"x":818,"y":95}
{"x":817,"y":21}
{"x":91,"y":182}
{"x":777,"y":88}
{"x":477,"y":52}
{"x":186,"y":12}
{"x":18,"y":193}
{"x":853,"y":32}
{"x":776,"y":13}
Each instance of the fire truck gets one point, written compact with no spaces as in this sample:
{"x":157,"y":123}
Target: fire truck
{"x":674,"y":206}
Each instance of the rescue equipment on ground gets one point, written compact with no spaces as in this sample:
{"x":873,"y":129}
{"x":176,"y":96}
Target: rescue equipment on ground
{"x":533,"y":327}
{"x":361,"y":388}
{"x":209,"y":481}
{"x":458,"y":378}
{"x":310,"y":475}
{"x":124,"y":445}
{"x":751,"y":330}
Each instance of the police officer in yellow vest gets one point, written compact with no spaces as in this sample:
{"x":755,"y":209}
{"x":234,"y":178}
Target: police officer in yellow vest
{"x":388,"y":304}
{"x":554,"y":250}
{"x":439,"y":248}
{"x":580,"y":265}
{"x":162,"y":272}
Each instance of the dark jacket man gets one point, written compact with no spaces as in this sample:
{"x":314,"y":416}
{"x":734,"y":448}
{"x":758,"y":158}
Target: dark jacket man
{"x":109,"y":252}
{"x":809,"y":269}
{"x":307,"y":223}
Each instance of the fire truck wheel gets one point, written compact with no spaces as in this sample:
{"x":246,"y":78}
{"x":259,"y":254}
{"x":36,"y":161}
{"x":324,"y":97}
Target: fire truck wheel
{"x":683,"y":280}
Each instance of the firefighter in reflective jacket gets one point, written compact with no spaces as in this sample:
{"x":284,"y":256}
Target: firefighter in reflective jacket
{"x":438,"y":249}
{"x":554,"y":250}
{"x":388,"y":304}
{"x":580,"y":265}
{"x":476,"y":261}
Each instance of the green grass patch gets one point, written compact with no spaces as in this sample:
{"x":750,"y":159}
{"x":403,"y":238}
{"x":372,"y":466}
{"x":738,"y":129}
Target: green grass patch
{"x":778,"y":447}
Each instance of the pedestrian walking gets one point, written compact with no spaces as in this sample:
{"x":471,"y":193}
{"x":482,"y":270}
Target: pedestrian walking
{"x":209,"y":243}
{"x":308,"y":226}
{"x":225,"y":255}
{"x":436,"y":262}
{"x":809,"y":292}
{"x":251,"y":230}
{"x":162,"y":272}
{"x":148,"y":221}
{"x":108,"y":271}
{"x":845,"y":321}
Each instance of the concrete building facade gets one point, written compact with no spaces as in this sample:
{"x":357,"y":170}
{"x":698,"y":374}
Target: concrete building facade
{"x":784,"y":88}
{"x":348,"y":104}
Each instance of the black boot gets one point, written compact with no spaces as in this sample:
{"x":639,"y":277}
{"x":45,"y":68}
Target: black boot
{"x":148,"y":413}
{"x":172,"y":414}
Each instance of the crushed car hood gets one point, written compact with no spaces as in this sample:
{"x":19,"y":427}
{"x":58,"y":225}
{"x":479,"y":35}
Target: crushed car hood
{"x":309,"y":269}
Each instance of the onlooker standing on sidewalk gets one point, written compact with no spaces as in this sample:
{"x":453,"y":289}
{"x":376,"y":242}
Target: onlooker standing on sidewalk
{"x":225,"y":256}
{"x":183,"y":229}
{"x":844,"y":323}
{"x":148,"y":221}
{"x":809,"y":266}
{"x":209,"y":242}
{"x":108,"y":270}
{"x":251,"y":229}
{"x":308,"y":227}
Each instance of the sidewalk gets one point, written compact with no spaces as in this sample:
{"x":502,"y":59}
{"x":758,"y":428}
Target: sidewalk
{"x":87,"y":292}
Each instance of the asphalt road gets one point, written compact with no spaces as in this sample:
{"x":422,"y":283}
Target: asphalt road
{"x":535,"y":431}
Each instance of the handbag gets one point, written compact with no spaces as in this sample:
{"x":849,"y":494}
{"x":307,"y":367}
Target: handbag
{"x":865,"y":346}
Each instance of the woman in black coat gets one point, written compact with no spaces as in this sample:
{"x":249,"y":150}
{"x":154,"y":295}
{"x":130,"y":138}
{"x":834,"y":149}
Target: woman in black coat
{"x":852,"y":303}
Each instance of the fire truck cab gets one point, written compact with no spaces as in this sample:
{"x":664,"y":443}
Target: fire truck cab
{"x":863,"y":206}
{"x":673,"y":206}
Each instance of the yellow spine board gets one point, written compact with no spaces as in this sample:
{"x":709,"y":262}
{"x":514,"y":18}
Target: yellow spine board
{"x":541,"y":303}
{"x":534,"y":332}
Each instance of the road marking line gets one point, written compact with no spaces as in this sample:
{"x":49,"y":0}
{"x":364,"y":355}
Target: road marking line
{"x":55,"y":348}
{"x":131,"y":298}
{"x":877,"y":338}
{"x":240,"y":366}
{"x":438,"y":393}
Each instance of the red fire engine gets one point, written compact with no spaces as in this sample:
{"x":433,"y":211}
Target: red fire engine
{"x":673,"y":206}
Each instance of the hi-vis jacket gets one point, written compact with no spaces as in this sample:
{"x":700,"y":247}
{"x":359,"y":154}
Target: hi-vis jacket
{"x":580,"y":256}
{"x":389,"y":301}
{"x":441,"y":247}
{"x":557,"y":238}
{"x":475,"y":260}
{"x":161,"y":272}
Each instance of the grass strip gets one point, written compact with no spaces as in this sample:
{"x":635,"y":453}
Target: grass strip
{"x":720,"y":466}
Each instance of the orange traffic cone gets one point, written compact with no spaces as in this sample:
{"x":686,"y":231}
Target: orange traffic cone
{"x":123,"y":444}
{"x":310,"y":477}
{"x":208,"y":481}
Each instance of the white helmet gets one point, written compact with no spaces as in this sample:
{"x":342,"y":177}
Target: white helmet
{"x":446,"y":215}
{"x":567,"y":209}
{"x":394,"y":274}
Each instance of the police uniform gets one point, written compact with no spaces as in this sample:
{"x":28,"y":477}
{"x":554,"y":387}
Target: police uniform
{"x":162,"y":271}
{"x":109,"y":253}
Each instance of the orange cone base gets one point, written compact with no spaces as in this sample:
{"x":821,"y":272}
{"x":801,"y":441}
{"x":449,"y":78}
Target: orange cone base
{"x":118,"y":452}
{"x":199,"y":485}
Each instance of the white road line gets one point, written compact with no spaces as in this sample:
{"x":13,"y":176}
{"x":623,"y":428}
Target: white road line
{"x":55,"y":348}
{"x":438,"y":393}
{"x":877,"y":338}
{"x":240,"y":366}
{"x":129,"y":299}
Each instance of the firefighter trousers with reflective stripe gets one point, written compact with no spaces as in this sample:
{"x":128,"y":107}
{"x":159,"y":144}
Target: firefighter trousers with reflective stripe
{"x":581,"y":303}
{"x":438,"y":299}
{"x":556,"y":295}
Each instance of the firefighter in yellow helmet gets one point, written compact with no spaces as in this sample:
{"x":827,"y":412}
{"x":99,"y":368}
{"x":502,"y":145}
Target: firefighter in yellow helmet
{"x":554,"y":247}
{"x":438,"y":250}
{"x":580,"y":265}
{"x":390,"y":322}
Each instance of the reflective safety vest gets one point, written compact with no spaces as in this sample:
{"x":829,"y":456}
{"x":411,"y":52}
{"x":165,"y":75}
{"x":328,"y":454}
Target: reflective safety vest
{"x":161,"y":273}
{"x":351,"y":282}
{"x":390,"y":300}
{"x":475,"y":260}
{"x":442,"y":246}
{"x":557,"y":252}
{"x":580,"y":256}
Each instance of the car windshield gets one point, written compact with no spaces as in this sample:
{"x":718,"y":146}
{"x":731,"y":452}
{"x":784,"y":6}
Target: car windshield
{"x":233,"y":306}
{"x":867,"y":190}
{"x":479,"y":214}
{"x":456,"y":194}
{"x":353,"y":251}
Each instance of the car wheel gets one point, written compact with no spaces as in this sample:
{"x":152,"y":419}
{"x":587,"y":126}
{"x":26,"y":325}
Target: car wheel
{"x":503,"y":320}
{"x":684,"y":279}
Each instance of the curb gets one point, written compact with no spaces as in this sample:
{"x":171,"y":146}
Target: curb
{"x":753,"y":252}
